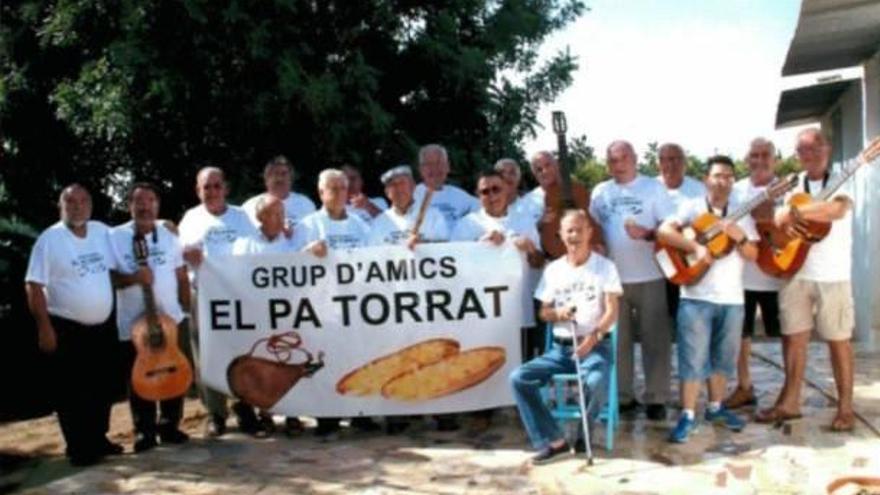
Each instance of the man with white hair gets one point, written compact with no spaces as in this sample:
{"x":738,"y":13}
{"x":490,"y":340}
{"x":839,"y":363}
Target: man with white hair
{"x":760,"y":289}
{"x":395,"y":225}
{"x":452,"y":201}
{"x":333,"y":228}
{"x":208,"y":230}
{"x":278,"y":177}
{"x":70,"y":297}
{"x":630,"y":207}
{"x":681,"y":188}
{"x":269,"y":238}
{"x":512,"y":175}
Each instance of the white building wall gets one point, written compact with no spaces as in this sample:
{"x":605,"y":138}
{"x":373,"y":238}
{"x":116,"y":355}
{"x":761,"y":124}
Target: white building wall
{"x":867,"y":221}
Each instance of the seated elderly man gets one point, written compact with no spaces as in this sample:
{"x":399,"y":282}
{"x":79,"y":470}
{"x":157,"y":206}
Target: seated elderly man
{"x":578,"y":291}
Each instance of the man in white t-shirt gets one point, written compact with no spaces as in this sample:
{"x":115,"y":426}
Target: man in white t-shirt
{"x":70,"y":297}
{"x":452,"y":201}
{"x":760,"y":288}
{"x":210,"y":229}
{"x":358,"y":202}
{"x":509,"y":170}
{"x":332,"y":227}
{"x":820,"y":294}
{"x":673,"y":165}
{"x":496,"y":224}
{"x":269,"y":236}
{"x":711,"y":311}
{"x":165,"y":275}
{"x":629,"y":207}
{"x":278,"y":176}
{"x":578,"y":291}
{"x":395,"y":225}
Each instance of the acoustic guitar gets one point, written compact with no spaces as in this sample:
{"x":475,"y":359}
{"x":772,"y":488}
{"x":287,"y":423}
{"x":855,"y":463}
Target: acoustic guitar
{"x":160,"y":370}
{"x":682,"y":268}
{"x":782,"y":254}
{"x":561,"y":197}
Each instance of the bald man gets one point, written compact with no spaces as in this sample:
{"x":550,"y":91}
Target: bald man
{"x":70,"y":297}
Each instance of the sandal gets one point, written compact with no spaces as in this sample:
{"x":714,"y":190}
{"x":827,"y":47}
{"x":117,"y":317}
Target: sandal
{"x":843,"y":422}
{"x":775,"y":415}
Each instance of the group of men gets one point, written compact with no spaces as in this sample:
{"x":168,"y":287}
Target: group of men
{"x":606,"y":276}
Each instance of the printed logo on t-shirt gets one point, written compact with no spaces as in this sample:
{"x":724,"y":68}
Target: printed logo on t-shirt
{"x":157,"y":257}
{"x":343,"y":241}
{"x":89,"y":264}
{"x":579,"y":291}
{"x":220,"y":235}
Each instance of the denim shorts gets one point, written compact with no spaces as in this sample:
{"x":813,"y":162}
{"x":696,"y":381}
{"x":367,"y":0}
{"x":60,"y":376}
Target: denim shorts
{"x":708,"y":339}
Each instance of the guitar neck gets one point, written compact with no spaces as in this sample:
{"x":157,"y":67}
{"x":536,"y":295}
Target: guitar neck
{"x":748,"y":206}
{"x":847,"y":171}
{"x":564,"y":173}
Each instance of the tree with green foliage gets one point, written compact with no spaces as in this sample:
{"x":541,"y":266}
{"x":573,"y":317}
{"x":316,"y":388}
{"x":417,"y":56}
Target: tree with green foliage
{"x":105,"y":92}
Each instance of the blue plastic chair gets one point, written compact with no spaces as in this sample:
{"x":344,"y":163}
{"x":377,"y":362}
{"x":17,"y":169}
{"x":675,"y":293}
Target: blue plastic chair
{"x":563,"y":409}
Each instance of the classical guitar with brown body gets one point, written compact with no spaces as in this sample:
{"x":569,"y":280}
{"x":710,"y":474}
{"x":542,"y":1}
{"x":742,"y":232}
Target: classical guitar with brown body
{"x":682,"y":268}
{"x":781,"y":254}
{"x":160,"y":370}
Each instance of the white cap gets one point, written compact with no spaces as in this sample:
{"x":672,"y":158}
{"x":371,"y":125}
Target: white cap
{"x":396,"y":172}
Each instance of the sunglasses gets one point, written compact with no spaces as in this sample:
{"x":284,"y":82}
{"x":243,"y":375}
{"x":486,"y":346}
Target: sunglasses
{"x":489,"y":190}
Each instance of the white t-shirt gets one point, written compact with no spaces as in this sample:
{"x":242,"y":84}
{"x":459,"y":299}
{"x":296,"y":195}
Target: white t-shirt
{"x":831,"y":259}
{"x":215,"y":234}
{"x":689,"y":189}
{"x":584,"y":285}
{"x":350,"y":232}
{"x":530,"y":205}
{"x":722,"y":284}
{"x":473,"y":226}
{"x":645,"y":201}
{"x":393,"y":228}
{"x":753,"y":277}
{"x":452,"y":201}
{"x":296,"y":207}
{"x":74,"y":272}
{"x":258,"y":243}
{"x":363,"y":213}
{"x":164,"y":257}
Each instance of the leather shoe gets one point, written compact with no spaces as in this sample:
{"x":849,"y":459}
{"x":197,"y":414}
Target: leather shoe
{"x":144,"y":442}
{"x":109,"y":448}
{"x":215,"y":427}
{"x":173,"y":435}
{"x":656,"y":412}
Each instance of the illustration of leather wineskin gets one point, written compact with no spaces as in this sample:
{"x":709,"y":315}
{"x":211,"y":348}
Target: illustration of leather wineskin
{"x":261,"y":381}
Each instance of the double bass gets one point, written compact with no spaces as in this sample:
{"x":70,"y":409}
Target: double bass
{"x":563,"y":195}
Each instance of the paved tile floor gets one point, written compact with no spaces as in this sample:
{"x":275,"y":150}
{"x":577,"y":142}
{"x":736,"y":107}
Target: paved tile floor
{"x":799,"y":457}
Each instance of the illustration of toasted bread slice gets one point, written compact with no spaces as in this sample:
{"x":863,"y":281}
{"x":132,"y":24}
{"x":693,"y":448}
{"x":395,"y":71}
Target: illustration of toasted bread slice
{"x":369,"y":378}
{"x":448,"y":376}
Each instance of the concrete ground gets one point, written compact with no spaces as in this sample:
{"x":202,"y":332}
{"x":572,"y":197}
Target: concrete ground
{"x":799,"y":457}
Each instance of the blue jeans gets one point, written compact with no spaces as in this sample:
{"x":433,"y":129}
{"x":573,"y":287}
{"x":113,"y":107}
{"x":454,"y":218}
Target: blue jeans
{"x":708,"y":339}
{"x":528,"y":379}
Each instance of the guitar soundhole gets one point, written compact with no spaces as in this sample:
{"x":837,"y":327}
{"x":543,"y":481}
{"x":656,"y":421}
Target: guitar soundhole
{"x":166,"y":370}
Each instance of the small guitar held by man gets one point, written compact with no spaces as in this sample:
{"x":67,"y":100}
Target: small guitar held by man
{"x":160,"y":371}
{"x":685,"y":268}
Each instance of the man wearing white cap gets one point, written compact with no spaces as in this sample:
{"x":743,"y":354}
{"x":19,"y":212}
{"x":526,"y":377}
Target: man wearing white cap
{"x":395,"y":225}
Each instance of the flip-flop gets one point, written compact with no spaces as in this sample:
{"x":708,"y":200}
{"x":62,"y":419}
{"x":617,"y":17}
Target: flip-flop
{"x":775,"y":415}
{"x":848,"y":425}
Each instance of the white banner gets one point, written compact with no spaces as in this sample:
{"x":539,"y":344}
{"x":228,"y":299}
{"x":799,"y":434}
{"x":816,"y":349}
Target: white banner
{"x":372,"y":331}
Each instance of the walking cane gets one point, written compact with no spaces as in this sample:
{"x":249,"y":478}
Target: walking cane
{"x":581,"y":398}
